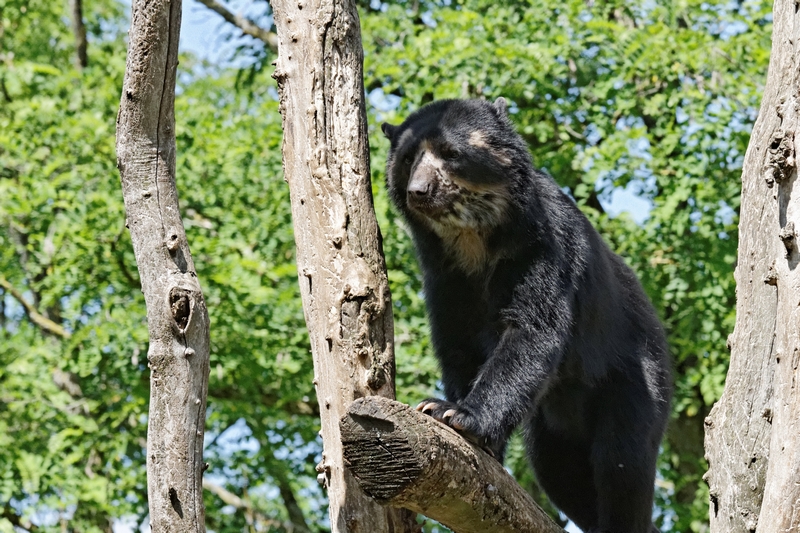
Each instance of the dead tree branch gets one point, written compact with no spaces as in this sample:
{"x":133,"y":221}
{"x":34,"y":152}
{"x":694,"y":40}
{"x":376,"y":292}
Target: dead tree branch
{"x":406,"y":459}
{"x":33,"y":314}
{"x":229,"y":498}
{"x":247,"y":26}
{"x":176,"y":311}
{"x":343,"y":279}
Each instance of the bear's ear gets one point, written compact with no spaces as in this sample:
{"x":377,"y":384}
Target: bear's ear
{"x":389,"y":130}
{"x":500,"y":104}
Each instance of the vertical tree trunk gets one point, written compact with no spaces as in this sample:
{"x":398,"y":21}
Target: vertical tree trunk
{"x":79,"y":29}
{"x":342,"y":273}
{"x":753,"y":432}
{"x":176,"y":312}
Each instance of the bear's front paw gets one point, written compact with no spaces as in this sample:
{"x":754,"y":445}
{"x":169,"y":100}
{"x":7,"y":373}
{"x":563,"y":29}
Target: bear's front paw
{"x":456,"y":417}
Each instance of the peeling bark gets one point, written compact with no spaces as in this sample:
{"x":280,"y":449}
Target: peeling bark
{"x":753,"y":432}
{"x":176,"y":311}
{"x":343,"y":281}
{"x":406,"y":459}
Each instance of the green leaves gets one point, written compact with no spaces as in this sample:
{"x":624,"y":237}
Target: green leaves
{"x":655,"y":97}
{"x":73,"y":411}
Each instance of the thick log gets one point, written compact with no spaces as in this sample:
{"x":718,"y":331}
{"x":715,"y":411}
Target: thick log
{"x":403,"y":458}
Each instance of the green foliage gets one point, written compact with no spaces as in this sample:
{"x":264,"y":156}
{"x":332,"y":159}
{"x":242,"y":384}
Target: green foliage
{"x":653,"y":97}
{"x":72,"y":410}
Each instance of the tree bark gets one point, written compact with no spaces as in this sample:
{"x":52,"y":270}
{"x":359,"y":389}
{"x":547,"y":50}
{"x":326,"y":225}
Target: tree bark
{"x":753,"y":432}
{"x":342,"y":273}
{"x":79,"y":29}
{"x":176,"y":311}
{"x":406,"y":459}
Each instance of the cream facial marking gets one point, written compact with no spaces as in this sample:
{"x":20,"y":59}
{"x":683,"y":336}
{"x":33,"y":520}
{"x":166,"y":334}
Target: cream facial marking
{"x":478,"y":139}
{"x":468,"y":214}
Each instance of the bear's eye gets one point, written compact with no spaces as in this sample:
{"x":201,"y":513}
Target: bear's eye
{"x":449,"y":153}
{"x":408,"y":159}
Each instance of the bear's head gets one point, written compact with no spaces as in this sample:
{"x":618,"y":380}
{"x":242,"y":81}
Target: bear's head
{"x":452,"y":164}
{"x":454,"y":167}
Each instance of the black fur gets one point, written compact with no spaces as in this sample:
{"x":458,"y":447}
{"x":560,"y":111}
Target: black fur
{"x":534,"y":320}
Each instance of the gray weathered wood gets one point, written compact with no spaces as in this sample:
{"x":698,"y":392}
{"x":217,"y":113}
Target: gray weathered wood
{"x":343,"y":281}
{"x":406,"y":459}
{"x":176,"y":312}
{"x":753,"y":432}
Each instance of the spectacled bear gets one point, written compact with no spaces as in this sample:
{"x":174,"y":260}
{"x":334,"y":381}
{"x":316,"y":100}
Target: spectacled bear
{"x":533,"y":319}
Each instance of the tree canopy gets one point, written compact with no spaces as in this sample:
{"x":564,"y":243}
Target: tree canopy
{"x":652,"y":98}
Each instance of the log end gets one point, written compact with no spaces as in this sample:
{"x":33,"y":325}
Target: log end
{"x":381,"y":458}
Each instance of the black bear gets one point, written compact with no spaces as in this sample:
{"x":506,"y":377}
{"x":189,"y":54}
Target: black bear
{"x":533,"y":319}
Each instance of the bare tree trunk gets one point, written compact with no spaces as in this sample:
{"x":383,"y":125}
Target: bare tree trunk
{"x":176,"y":311}
{"x":753,"y":432}
{"x":343,"y":281}
{"x":79,"y":29}
{"x":404,"y":458}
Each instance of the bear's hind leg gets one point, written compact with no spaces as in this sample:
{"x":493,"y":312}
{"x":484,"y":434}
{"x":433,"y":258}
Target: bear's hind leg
{"x":564,"y":472}
{"x":623,"y":456}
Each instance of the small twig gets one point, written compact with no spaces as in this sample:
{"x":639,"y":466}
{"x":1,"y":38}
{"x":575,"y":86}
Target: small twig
{"x":572,"y":132}
{"x":4,"y":90}
{"x":233,"y":500}
{"x":247,"y":26}
{"x":36,"y":317}
{"x":16,"y":520}
{"x":133,"y":282}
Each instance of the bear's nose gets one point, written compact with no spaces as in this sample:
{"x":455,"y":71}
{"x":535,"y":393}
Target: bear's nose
{"x":419,"y":188}
{"x":423,"y":182}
